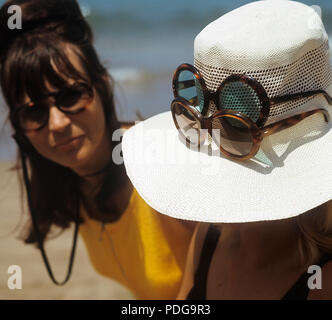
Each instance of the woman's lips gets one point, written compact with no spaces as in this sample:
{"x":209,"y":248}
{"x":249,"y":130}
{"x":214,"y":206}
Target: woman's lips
{"x":69,"y":144}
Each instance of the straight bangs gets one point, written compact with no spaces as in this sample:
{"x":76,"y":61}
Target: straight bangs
{"x":35,"y":66}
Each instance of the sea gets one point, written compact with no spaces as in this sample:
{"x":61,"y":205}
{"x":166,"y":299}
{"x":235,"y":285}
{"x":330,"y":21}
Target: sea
{"x":141,"y":42}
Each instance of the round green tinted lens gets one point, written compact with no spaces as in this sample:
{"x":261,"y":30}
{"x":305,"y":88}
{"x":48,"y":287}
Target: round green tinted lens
{"x":241,"y":97}
{"x":232,"y":135}
{"x":189,"y":88}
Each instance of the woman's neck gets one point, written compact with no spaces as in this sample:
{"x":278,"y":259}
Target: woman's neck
{"x":260,"y":243}
{"x":93,"y":170}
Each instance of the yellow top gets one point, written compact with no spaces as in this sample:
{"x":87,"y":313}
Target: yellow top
{"x":145,"y":250}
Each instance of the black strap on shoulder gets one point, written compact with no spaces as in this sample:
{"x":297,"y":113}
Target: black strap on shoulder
{"x":198,"y":291}
{"x":300,"y":290}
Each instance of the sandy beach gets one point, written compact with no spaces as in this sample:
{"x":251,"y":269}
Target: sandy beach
{"x":85,"y":282}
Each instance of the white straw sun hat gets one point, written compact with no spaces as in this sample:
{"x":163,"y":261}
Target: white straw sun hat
{"x":283,"y":45}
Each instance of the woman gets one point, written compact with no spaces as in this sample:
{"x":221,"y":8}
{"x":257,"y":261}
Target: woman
{"x":262,"y":260}
{"x":253,"y":119}
{"x":61,"y":108}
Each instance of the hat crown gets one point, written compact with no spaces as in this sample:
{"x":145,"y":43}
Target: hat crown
{"x":282,"y":44}
{"x":256,"y":32}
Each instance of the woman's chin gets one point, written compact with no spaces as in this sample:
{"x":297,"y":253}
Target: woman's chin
{"x":73,"y":158}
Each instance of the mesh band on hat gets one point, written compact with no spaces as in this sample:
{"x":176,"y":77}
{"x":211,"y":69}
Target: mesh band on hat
{"x":297,"y":60}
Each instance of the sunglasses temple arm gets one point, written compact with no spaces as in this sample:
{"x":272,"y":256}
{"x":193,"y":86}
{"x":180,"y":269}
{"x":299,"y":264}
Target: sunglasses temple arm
{"x":286,"y":123}
{"x":289,"y":97}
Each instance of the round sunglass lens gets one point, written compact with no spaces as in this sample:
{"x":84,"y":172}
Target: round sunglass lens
{"x":241,"y":97}
{"x":189,"y":88}
{"x":232,"y":135}
{"x":74,"y":98}
{"x":187,"y":124}
{"x":32,"y":118}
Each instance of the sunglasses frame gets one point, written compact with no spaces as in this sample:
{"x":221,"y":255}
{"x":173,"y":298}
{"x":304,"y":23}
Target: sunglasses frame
{"x":265,"y":101}
{"x":257,"y":133}
{"x":55,"y":95}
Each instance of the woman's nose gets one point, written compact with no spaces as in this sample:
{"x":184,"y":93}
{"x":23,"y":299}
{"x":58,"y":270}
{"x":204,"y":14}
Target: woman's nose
{"x":58,"y":121}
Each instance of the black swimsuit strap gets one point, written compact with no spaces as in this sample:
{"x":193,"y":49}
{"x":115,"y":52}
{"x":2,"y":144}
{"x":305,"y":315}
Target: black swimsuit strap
{"x":300,"y":289}
{"x":198,"y":291}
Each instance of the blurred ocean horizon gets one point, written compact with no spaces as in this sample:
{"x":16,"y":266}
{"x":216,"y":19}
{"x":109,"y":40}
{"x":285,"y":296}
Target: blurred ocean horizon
{"x":141,"y":42}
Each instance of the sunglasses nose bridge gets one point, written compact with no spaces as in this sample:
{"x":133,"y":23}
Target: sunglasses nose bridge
{"x":211,"y":103}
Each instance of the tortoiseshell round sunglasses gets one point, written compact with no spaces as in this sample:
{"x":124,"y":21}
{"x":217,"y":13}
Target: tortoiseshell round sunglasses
{"x":238,"y":126}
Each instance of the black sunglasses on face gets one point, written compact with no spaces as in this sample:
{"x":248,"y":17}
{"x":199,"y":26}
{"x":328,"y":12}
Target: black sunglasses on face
{"x":33,"y":116}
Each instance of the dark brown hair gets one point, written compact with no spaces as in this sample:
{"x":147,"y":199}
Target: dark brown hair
{"x":25,"y":62}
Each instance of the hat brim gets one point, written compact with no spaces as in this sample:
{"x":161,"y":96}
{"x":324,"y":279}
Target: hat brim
{"x":192,"y":185}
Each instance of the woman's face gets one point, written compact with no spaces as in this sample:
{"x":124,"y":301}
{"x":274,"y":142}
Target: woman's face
{"x":77,"y":141}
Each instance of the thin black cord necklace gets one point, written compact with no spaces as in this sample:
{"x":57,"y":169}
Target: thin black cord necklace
{"x":36,"y":227}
